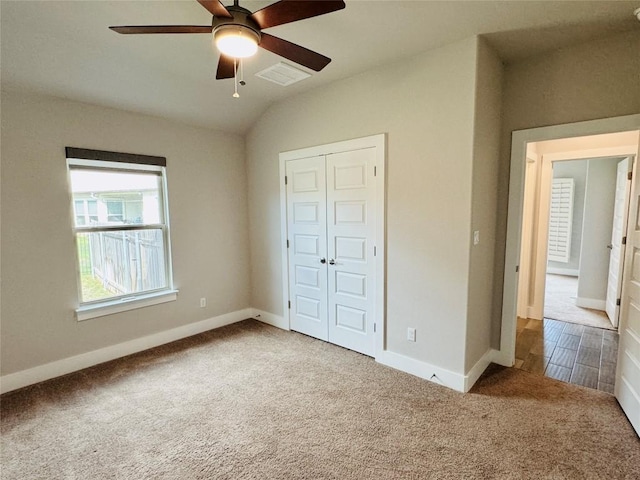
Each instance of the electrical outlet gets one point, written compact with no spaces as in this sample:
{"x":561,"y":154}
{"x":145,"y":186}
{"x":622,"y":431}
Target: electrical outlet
{"x":203,"y":302}
{"x":476,"y":237}
{"x":411,"y":334}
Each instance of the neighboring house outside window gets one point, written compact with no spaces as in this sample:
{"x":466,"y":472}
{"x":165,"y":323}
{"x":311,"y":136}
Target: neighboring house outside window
{"x":115,"y":210}
{"x":86,"y":211}
{"x":121,"y":230}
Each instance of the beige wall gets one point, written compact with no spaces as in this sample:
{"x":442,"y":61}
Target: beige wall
{"x":593,"y":80}
{"x":425,"y":105}
{"x":439,"y":113}
{"x":484,"y":177}
{"x":208,"y":211}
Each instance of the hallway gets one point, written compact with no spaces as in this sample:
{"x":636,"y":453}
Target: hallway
{"x":572,"y":353}
{"x":561,"y":292}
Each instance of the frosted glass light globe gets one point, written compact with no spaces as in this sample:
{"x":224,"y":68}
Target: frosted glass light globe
{"x":236,"y":42}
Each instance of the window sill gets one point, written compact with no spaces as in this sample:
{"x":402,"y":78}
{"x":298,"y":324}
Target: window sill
{"x":125,"y":304}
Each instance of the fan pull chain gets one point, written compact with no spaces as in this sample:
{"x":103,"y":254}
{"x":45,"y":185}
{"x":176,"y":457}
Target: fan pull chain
{"x":235,"y":78}
{"x":242,"y":82}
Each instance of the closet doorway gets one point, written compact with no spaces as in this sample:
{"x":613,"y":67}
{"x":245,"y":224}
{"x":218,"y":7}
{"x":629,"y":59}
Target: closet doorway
{"x":333,"y":202}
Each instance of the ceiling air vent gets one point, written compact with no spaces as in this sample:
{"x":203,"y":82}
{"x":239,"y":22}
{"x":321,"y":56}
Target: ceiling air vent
{"x":283,"y":74}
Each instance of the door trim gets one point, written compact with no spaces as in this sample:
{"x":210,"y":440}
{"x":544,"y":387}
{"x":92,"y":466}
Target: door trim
{"x":519,"y":140}
{"x":379,"y":143}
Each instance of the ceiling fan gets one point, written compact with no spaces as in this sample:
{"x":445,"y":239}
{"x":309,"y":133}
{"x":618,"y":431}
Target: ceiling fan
{"x":237,"y":31}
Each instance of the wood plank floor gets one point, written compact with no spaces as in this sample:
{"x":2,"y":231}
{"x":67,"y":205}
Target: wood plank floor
{"x":572,"y":353}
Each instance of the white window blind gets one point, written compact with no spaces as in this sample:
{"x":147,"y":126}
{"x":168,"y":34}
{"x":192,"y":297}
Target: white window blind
{"x":560,"y":220}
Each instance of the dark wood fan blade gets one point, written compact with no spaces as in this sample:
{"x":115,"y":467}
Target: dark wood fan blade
{"x":226,"y":68}
{"x":286,"y":11}
{"x":293,"y":52}
{"x":215,"y":8}
{"x":163,"y":29}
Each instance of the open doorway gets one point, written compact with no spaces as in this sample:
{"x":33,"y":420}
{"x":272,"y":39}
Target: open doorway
{"x":589,"y":200}
{"x":627,"y":370}
{"x":575,"y":192}
{"x":570,"y":197}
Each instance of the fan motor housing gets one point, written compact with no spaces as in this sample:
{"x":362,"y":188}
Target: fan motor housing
{"x":240,"y":19}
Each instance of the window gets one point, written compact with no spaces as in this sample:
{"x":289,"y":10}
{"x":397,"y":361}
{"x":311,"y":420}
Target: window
{"x":560,"y":220}
{"x":114,"y":211}
{"x":86,"y":211}
{"x":121,"y":230}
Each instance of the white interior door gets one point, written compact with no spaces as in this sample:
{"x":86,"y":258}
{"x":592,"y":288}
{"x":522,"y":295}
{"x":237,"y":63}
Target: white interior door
{"x":351,"y":227}
{"x":627,"y":387}
{"x":331,"y":231}
{"x":307,"y":237}
{"x":620,"y":210}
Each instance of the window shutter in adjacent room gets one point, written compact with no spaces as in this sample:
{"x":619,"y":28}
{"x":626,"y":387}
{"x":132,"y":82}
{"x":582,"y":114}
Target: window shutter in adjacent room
{"x":560,"y":220}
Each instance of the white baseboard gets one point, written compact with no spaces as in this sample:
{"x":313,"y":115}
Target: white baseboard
{"x":47,"y":371}
{"x":570,"y":272}
{"x":409,"y":365}
{"x":502,"y":358}
{"x":270,"y":319}
{"x":453,"y":380}
{"x":533,"y":312}
{"x":478,"y":369}
{"x":594,"y":303}
{"x":421,"y":369}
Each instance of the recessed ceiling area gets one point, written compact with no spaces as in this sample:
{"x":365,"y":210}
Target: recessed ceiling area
{"x":66,"y":49}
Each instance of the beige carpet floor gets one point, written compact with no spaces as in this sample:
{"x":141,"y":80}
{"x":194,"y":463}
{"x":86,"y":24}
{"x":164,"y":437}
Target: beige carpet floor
{"x":560,"y":296}
{"x":249,"y":401}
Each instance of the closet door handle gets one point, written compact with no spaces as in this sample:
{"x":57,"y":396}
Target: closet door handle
{"x":323,"y":260}
{"x":332,"y":262}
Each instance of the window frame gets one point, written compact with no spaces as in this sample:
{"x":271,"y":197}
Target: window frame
{"x":122,"y":163}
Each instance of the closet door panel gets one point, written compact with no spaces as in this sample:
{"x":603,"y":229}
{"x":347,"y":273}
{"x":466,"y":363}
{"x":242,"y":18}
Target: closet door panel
{"x":307,"y":234}
{"x":350,"y":243}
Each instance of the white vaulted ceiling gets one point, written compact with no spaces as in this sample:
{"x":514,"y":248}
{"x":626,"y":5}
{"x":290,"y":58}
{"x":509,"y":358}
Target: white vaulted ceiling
{"x":64,"y":48}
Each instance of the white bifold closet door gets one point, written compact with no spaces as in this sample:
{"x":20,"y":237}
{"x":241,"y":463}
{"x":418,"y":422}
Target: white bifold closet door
{"x":331,"y":229}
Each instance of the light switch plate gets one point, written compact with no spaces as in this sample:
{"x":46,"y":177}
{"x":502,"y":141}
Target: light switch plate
{"x":411,"y":334}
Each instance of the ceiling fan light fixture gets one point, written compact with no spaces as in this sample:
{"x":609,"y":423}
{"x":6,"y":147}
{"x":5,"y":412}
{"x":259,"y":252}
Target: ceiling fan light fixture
{"x":236,"y":41}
